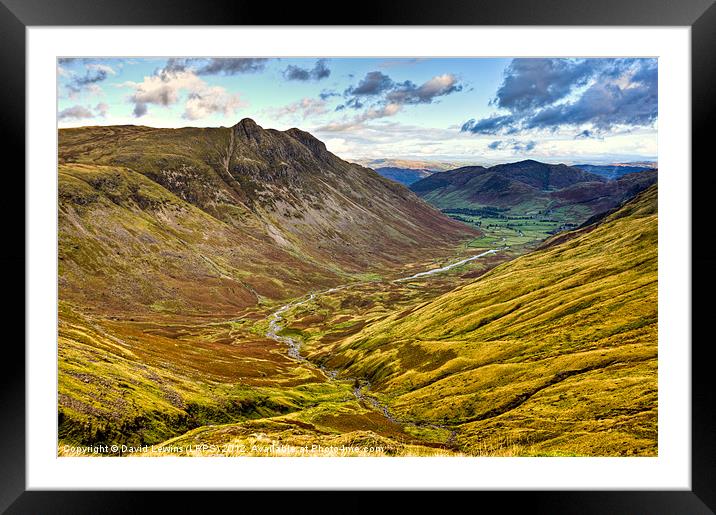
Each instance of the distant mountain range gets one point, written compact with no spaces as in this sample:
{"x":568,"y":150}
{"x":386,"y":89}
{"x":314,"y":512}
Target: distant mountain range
{"x":410,"y":164}
{"x":530,"y":188}
{"x":409,"y":172}
{"x":406,"y":176}
{"x":615,"y":171}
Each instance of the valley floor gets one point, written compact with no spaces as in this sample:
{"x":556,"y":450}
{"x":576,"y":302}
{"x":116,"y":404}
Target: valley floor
{"x":241,"y":386}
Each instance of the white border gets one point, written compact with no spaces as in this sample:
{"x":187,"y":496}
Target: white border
{"x":671,"y":470}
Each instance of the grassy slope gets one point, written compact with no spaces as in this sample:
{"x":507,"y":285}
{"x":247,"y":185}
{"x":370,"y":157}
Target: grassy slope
{"x":126,"y":244}
{"x":219,"y":386}
{"x":552,"y":353}
{"x":166,"y":261}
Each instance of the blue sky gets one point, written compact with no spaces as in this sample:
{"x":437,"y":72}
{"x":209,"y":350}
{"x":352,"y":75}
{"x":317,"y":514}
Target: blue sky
{"x":476,"y":110}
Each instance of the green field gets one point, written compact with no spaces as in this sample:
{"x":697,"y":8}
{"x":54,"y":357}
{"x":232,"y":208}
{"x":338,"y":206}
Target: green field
{"x":505,"y":228}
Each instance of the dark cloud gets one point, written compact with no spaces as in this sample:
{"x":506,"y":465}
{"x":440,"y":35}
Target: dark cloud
{"x":409,"y":93}
{"x":91,"y":77}
{"x":93,"y":74}
{"x":604,"y":106}
{"x":214,"y":65}
{"x":140,"y":109}
{"x":327,"y":93}
{"x":232,"y":66}
{"x":492,"y":125}
{"x":550,"y":94}
{"x":533,"y":83}
{"x":514,"y":145}
{"x":525,"y":146}
{"x":174,"y":65}
{"x":85,"y":60}
{"x":381,"y":96}
{"x":354,"y":103}
{"x":293,"y":72}
{"x":374,"y":83}
{"x":318,"y":72}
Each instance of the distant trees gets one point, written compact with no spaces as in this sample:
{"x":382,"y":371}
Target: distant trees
{"x":485,"y":212}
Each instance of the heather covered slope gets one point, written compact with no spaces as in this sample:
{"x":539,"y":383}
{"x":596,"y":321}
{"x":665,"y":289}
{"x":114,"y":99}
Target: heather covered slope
{"x":210,"y":220}
{"x":554,"y":352}
{"x":126,"y":244}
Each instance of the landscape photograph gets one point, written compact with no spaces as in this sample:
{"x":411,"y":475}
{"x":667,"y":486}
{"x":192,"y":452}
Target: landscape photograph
{"x":343,"y":257}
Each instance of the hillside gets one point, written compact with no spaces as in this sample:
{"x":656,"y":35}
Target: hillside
{"x":552,"y":353}
{"x":211,"y":220}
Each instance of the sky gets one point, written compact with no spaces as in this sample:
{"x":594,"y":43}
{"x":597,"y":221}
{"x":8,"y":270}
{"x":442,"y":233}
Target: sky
{"x":458,"y":110}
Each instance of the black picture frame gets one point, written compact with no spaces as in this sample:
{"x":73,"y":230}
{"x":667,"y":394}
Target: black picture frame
{"x":17,"y":15}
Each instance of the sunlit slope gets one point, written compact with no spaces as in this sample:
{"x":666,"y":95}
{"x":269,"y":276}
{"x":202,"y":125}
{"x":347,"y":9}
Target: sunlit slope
{"x":128,"y":244}
{"x":552,"y":353}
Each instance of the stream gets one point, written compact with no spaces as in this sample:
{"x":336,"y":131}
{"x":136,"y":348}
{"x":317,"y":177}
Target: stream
{"x":362,"y":385}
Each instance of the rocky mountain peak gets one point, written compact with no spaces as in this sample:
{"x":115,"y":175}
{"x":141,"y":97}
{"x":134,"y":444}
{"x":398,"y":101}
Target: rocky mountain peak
{"x":248,"y":129}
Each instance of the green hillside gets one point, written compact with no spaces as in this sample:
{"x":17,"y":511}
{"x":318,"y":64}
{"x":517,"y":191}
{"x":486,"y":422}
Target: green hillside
{"x":554,"y":352}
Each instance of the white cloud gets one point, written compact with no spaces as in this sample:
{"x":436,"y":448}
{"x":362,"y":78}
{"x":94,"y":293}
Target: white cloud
{"x":305,"y":108}
{"x":164,"y":89}
{"x":168,"y":87}
{"x":396,"y":140}
{"x":80,"y":112}
{"x":209,"y":101}
{"x":338,"y":146}
{"x":357,"y":121}
{"x":101,"y":109}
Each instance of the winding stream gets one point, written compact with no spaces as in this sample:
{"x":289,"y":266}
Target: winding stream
{"x":446,"y":267}
{"x":362,"y":385}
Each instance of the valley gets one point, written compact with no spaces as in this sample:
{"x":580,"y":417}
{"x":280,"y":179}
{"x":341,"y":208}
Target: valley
{"x":528,"y":201}
{"x":243,"y":291}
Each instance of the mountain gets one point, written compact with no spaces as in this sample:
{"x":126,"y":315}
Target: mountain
{"x":409,"y":164}
{"x":552,"y":353}
{"x":644,"y":164}
{"x":210,"y":220}
{"x":406,"y":176}
{"x":529,"y":188}
{"x":614,"y":171}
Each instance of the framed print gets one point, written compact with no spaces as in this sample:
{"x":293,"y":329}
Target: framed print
{"x":420,"y":252}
